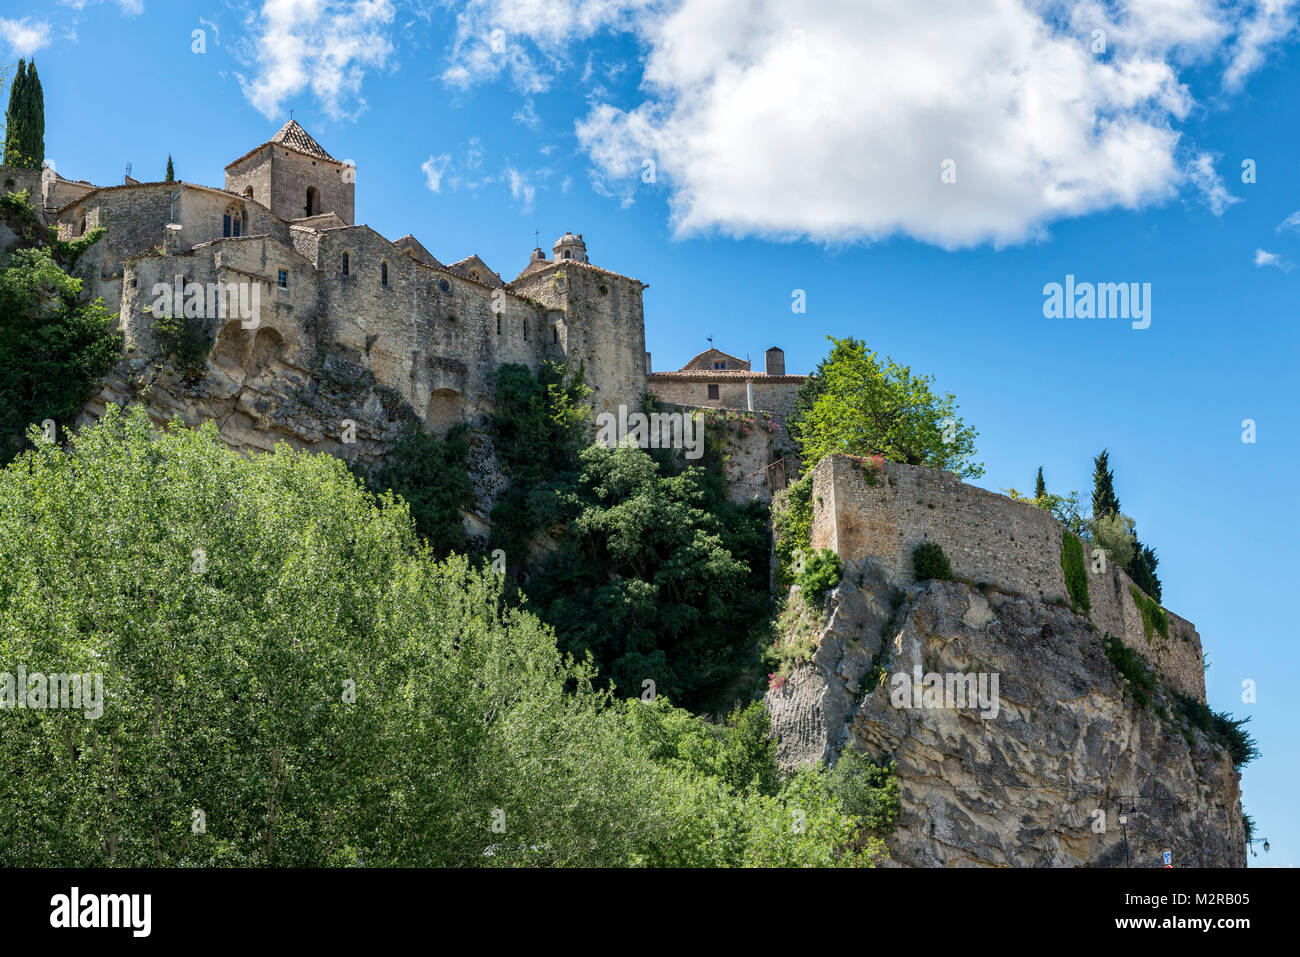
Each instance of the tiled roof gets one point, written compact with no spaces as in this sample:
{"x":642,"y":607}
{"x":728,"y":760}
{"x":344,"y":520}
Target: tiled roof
{"x":291,"y":137}
{"x":295,"y":137}
{"x":721,"y":375}
{"x":706,"y":352}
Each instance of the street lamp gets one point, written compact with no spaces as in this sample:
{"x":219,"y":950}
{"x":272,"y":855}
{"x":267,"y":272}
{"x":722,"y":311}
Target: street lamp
{"x":1256,"y":840}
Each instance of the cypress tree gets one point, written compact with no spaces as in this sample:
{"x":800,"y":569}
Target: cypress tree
{"x":14,"y":117}
{"x":1104,"y":500}
{"x":170,"y":177}
{"x":34,"y":145}
{"x":1040,"y":487}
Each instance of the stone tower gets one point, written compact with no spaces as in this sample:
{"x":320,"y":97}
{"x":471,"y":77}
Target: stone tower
{"x":295,"y":177}
{"x":570,"y":247}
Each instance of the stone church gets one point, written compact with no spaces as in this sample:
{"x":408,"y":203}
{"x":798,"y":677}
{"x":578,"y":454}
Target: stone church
{"x":352,"y":328}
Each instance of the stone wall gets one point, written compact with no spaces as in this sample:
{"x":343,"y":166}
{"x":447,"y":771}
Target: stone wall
{"x":989,"y":538}
{"x":775,"y":397}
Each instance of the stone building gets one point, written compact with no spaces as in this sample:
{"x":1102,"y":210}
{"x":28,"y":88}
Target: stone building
{"x":717,"y":380}
{"x":424,"y":336}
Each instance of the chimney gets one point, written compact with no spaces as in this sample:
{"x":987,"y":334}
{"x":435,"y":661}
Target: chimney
{"x":774,"y":362}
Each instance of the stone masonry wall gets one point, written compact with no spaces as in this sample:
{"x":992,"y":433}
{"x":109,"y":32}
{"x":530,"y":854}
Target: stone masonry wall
{"x":988,"y":538}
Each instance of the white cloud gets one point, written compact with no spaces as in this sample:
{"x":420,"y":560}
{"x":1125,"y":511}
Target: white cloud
{"x":832,"y":119}
{"x":322,"y":45}
{"x":25,"y":36}
{"x":521,"y":189}
{"x":434,"y":168}
{"x":527,"y":115}
{"x":1291,"y":222}
{"x":132,"y":8}
{"x":1263,"y":258}
{"x":1270,"y":23}
{"x":1201,"y":174}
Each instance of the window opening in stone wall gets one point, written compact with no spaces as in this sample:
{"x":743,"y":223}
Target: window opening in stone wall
{"x":383,"y":274}
{"x":713,"y":391}
{"x":498,"y":324}
{"x":525,"y":330}
{"x":347,"y":264}
{"x":282,"y":279}
{"x":313,"y":201}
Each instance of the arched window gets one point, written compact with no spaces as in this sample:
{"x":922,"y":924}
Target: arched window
{"x":225,"y":224}
{"x":232,"y":222}
{"x":383,"y":273}
{"x":567,"y":253}
{"x":249,"y":192}
{"x":313,"y":201}
{"x":347,"y":264}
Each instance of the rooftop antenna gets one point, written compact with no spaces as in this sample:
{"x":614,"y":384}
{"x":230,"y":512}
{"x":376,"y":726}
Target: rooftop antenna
{"x":291,"y":116}
{"x":128,"y":171}
{"x":537,"y":238}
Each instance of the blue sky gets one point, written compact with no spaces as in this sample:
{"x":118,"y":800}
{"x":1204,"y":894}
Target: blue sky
{"x":802,"y":149}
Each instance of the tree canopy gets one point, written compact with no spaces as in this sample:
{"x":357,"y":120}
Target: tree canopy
{"x":290,"y":678}
{"x":862,"y":405}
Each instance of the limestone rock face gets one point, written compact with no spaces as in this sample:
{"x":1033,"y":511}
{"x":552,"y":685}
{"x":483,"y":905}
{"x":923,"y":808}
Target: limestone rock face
{"x":260,"y":393}
{"x":1039,"y":782}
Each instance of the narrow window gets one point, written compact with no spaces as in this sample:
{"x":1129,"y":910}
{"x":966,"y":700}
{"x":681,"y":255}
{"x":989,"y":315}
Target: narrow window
{"x":313,"y":201}
{"x":720,"y":365}
{"x":249,"y":192}
{"x":498,"y":323}
{"x":713,"y":391}
{"x":555,"y":333}
{"x":346,"y":264}
{"x":225,"y":225}
{"x":234,"y":225}
{"x":525,"y":330}
{"x":566,"y":254}
{"x":383,"y":274}
{"x":282,"y":279}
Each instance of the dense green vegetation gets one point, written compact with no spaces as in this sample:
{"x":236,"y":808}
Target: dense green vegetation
{"x":1115,"y":533}
{"x":658,"y":576}
{"x":54,"y":345}
{"x":822,"y":572}
{"x":1142,"y":681}
{"x":430,"y":474}
{"x":1075,"y":571}
{"x":281,"y":654}
{"x":792,"y":516}
{"x":929,"y":560}
{"x":1154,"y":618}
{"x":862,"y":405}
{"x":24,"y":144}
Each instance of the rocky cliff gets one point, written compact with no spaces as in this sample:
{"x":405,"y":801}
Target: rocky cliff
{"x":1038,"y":780}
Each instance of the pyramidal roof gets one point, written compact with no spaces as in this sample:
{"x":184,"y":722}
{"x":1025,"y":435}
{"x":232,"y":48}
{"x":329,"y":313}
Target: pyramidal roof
{"x":295,"y":137}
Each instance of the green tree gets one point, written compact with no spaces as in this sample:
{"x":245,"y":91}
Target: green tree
{"x":280,"y":654}
{"x":25,"y":120}
{"x":657,"y":577}
{"x":170,"y":175}
{"x":431,"y":476}
{"x":1113,"y":534}
{"x":1104,"y":500}
{"x":870,"y":407}
{"x":16,"y":119}
{"x":54,"y":345}
{"x":1040,"y":486}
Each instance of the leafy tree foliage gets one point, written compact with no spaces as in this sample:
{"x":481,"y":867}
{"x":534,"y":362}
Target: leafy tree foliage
{"x":1113,"y":534}
{"x":929,"y":561}
{"x":1064,"y":508}
{"x":1040,"y":485}
{"x":431,"y":476}
{"x":868,"y":791}
{"x":540,"y":426}
{"x":24,"y":146}
{"x":53,"y":344}
{"x":1104,"y":500}
{"x":867,"y":406}
{"x":658,"y":577}
{"x":279,"y":652}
